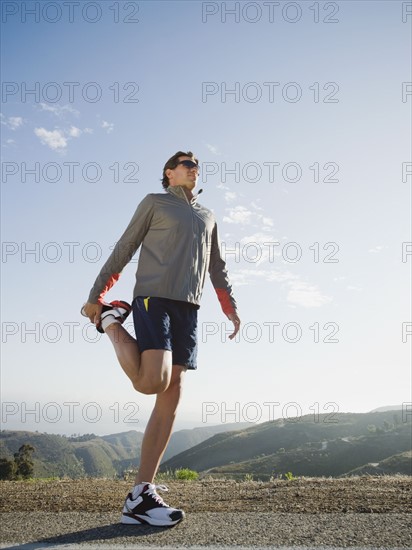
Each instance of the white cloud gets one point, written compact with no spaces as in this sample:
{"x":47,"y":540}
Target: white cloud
{"x":378,"y":248}
{"x":54,"y":139}
{"x":213,"y":149}
{"x":243,"y":277}
{"x":242,"y":215}
{"x":230,"y":196}
{"x":255,"y":206}
{"x":74,"y":132}
{"x":12,"y":122}
{"x":15,"y":122}
{"x":306,"y":295}
{"x":267,"y":222}
{"x":108,"y":125}
{"x":59,"y":110}
{"x":221,"y":186}
{"x":58,"y":139}
{"x":259,"y":248}
{"x":238,"y":214}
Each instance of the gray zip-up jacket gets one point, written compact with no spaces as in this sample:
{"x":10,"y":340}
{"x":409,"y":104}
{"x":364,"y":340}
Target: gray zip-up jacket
{"x":180,"y":245}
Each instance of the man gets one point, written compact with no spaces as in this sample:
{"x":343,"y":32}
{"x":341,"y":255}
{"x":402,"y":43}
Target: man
{"x":179,"y":245}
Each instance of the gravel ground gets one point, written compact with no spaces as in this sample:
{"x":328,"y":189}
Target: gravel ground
{"x":212,"y":528}
{"x":367,"y":512}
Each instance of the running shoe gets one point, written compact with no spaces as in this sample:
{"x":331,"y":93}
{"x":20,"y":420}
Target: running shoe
{"x":145,"y":506}
{"x":117,"y":309}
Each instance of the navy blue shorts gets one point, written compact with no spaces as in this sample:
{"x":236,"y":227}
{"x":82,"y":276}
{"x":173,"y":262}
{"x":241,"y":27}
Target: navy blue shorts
{"x":162,"y":323}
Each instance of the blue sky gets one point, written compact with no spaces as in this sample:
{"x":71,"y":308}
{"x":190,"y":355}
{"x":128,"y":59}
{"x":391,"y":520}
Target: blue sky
{"x":306,"y":155}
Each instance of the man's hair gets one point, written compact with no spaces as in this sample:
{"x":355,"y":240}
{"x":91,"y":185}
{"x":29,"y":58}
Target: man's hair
{"x":172,"y":163}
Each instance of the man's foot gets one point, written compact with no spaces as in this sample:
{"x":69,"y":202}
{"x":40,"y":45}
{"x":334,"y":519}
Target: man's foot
{"x":118,"y":310}
{"x":144,"y":505}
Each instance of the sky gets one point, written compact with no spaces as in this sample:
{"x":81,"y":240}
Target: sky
{"x":300,"y":115}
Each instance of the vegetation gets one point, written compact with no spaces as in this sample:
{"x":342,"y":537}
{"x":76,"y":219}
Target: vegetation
{"x":186,"y":474}
{"x":21,"y":467}
{"x":316,"y":446}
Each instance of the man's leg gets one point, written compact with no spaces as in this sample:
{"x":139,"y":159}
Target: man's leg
{"x":149,"y":372}
{"x":159,"y":428}
{"x":143,"y":504}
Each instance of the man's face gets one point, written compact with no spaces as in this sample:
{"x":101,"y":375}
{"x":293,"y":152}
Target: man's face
{"x":183,"y":175}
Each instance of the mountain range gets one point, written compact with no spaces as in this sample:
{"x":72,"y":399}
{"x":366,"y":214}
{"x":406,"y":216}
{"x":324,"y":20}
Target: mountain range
{"x":96,"y":456}
{"x":326,"y":445}
{"x":307,"y":446}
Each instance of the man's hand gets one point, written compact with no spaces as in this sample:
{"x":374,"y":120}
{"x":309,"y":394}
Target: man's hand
{"x":236,"y":321}
{"x":93,"y":312}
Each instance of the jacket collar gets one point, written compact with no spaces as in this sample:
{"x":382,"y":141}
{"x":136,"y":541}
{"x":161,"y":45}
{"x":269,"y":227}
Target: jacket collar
{"x":178,"y":191}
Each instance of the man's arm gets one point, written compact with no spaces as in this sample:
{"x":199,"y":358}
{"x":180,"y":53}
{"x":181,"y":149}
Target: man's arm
{"x":220,"y":280}
{"x":127,"y":245}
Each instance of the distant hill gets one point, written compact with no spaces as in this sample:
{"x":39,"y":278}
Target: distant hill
{"x":306,"y":446}
{"x":329,"y":458}
{"x":90,"y":455}
{"x":397,"y":464}
{"x":185,"y":439}
{"x":327,"y":445}
{"x":388,"y":408}
{"x":94,"y":456}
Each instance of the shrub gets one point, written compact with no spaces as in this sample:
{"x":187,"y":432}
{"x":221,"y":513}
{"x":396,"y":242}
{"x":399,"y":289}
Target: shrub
{"x":187,"y":474}
{"x":7,"y":469}
{"x":23,"y":461}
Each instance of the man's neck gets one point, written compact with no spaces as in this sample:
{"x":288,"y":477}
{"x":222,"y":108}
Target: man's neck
{"x":188,"y":193}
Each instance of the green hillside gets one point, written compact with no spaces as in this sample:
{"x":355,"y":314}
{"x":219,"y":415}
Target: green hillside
{"x":327,"y":445}
{"x":87,"y":455}
{"x":54,"y":456}
{"x":329,"y":458}
{"x":91,"y":455}
{"x":252,"y":450}
{"x":400,"y":463}
{"x":185,"y":439}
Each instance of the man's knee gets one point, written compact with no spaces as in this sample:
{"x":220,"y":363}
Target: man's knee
{"x":151,"y":387}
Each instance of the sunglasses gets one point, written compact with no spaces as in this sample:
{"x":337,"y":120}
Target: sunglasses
{"x":189,"y":164}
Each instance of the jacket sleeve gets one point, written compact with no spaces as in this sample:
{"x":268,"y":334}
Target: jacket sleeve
{"x":219,"y":276}
{"x":123,"y":252}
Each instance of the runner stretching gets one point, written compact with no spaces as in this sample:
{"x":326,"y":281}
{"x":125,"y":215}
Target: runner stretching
{"x":179,"y":245}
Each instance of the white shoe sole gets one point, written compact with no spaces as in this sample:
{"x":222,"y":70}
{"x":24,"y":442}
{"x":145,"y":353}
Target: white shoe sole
{"x":127,"y":520}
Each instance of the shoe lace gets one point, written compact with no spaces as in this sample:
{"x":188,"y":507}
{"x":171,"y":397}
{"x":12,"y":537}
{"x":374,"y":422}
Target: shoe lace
{"x":119,"y":313}
{"x":152,"y":492}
